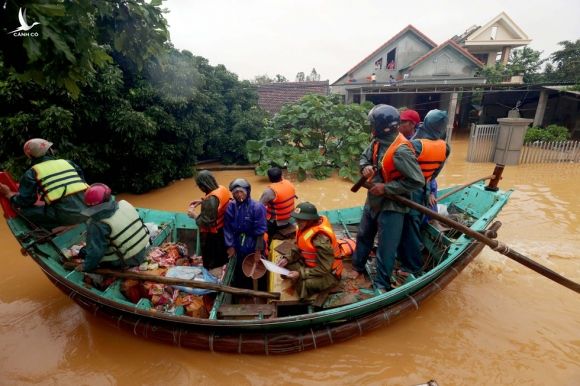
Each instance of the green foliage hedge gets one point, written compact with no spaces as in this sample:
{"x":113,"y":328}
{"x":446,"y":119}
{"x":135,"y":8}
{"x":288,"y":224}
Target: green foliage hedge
{"x":547,"y":134}
{"x":314,"y":137}
{"x":129,"y":109}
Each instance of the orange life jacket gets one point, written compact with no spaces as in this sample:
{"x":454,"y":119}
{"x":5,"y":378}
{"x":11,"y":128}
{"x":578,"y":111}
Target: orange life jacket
{"x":224,"y":196}
{"x":432,"y":156}
{"x":388,"y":170}
{"x":346,"y":247}
{"x":308,"y":250}
{"x":281,"y":207}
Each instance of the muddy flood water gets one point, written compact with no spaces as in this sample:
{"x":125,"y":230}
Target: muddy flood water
{"x":497,"y":323}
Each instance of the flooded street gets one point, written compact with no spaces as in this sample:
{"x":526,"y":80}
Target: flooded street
{"x":497,"y":323}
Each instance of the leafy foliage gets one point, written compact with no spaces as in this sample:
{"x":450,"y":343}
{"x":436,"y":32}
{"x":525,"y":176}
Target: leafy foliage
{"x":313,"y":137}
{"x":526,"y":62}
{"x":136,"y":121}
{"x":547,"y":134}
{"x":566,"y":63}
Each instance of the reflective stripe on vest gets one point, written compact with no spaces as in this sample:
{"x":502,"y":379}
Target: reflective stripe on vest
{"x":388,"y":170}
{"x":224,"y":196}
{"x":308,"y":250}
{"x":57,"y":179}
{"x":129,"y":235}
{"x":432,"y":156}
{"x":281,"y":207}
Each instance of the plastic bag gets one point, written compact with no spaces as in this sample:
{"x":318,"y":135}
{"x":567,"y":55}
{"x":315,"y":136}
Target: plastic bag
{"x":191,"y":273}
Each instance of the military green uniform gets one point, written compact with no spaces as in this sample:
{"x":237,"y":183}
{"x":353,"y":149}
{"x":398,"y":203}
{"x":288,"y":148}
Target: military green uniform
{"x":316,"y":279}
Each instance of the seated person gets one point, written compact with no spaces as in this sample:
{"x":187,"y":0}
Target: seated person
{"x":116,"y":235}
{"x":315,"y":263}
{"x":58,"y":182}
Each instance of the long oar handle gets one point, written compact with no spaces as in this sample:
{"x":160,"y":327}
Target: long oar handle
{"x":188,"y":283}
{"x":493,"y":244}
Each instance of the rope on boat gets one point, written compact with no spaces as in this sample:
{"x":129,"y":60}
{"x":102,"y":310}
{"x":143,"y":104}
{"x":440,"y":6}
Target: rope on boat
{"x":313,"y":338}
{"x":414,"y":301}
{"x":501,"y":248}
{"x":360,"y":330}
{"x":329,"y":331}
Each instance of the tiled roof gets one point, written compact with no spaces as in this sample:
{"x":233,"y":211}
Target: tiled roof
{"x":272,"y":96}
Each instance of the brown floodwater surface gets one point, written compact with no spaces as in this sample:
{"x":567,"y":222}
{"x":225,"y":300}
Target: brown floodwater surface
{"x":497,"y":323}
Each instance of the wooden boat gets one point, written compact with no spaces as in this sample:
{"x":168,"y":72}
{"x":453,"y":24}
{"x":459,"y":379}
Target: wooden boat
{"x":277,"y":326}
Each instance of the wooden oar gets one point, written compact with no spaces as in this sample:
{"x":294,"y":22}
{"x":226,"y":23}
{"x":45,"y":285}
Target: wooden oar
{"x":188,"y":283}
{"x":493,"y":244}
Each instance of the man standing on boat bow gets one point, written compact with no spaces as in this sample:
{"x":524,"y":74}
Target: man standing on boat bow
{"x":390,"y":164}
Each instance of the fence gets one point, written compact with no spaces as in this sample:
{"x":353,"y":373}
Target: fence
{"x":550,"y":152}
{"x":482,"y":141}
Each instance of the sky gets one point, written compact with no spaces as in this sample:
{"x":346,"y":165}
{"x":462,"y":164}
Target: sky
{"x":257,"y":37}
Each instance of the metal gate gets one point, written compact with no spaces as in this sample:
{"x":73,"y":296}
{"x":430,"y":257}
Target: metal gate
{"x":482,"y":141}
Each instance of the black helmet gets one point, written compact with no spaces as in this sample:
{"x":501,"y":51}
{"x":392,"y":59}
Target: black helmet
{"x":383,"y":119}
{"x":240,"y":183}
{"x":305,"y":211}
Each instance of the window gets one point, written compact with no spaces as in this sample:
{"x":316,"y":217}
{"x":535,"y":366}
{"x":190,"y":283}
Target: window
{"x":442,"y":64}
{"x":379,"y":64}
{"x":391,"y":56}
{"x":493,"y":32}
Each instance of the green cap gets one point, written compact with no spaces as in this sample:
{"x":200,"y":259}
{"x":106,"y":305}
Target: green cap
{"x":305,"y":211}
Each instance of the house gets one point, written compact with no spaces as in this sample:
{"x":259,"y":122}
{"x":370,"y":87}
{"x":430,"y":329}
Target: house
{"x":412,"y":70}
{"x":272,"y":96}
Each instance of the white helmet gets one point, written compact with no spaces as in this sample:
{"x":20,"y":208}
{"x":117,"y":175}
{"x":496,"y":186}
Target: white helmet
{"x":36,"y":147}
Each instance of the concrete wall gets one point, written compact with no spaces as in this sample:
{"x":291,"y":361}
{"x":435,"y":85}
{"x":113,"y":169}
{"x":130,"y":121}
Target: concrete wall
{"x":447,"y":63}
{"x":409,"y":48}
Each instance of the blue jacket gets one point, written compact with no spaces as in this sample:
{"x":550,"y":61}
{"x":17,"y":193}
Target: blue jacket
{"x":244,"y":226}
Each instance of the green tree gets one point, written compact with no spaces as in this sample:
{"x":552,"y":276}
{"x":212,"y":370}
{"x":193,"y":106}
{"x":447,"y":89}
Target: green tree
{"x":313,"y":137}
{"x":566,"y":63}
{"x":526,"y":62}
{"x":495,"y":74}
{"x":314,"y":76}
{"x":300,"y":77}
{"x":75,"y":38}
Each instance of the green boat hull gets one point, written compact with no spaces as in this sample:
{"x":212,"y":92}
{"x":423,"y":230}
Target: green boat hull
{"x":279,"y":335}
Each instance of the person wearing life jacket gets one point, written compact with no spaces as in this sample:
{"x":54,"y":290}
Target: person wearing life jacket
{"x":59,"y":183}
{"x":410,"y":119}
{"x":390,"y":164}
{"x":431,"y":151}
{"x":210,"y":219}
{"x":244,"y":230}
{"x":315,"y":263}
{"x":116,"y":235}
{"x":278,"y":198}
